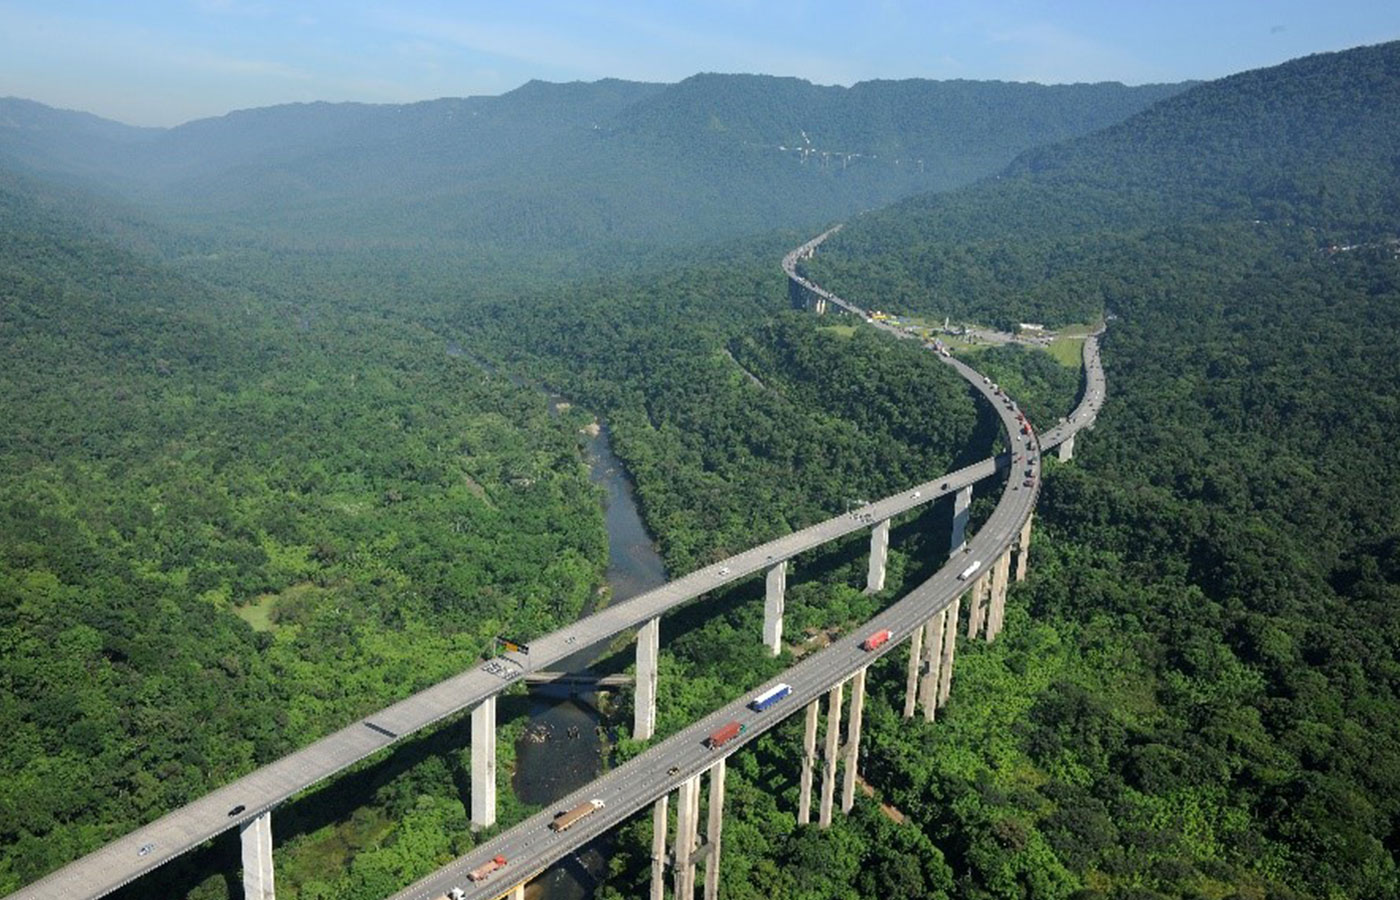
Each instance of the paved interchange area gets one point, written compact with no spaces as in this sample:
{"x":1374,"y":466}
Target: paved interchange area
{"x":636,"y":783}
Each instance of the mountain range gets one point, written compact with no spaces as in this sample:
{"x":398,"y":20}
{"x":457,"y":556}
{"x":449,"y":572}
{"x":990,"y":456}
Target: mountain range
{"x":713,"y":156}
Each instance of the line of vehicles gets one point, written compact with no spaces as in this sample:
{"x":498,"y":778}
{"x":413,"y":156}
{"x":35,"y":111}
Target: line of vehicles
{"x":768,"y":698}
{"x":730,"y":730}
{"x":563,"y":821}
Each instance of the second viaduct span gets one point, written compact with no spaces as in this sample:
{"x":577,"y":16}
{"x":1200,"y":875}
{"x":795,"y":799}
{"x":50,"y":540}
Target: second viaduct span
{"x":928,"y":617}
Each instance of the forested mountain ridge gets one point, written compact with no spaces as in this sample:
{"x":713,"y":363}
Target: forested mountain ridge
{"x":570,"y":164}
{"x":1204,"y":659}
{"x":1312,"y":146}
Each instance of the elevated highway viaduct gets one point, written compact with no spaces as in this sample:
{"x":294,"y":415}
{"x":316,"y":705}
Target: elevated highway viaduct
{"x":927,"y":617}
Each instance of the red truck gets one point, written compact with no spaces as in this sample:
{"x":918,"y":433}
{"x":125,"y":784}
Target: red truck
{"x":724,"y":735}
{"x":481,"y":872}
{"x":875,"y":640}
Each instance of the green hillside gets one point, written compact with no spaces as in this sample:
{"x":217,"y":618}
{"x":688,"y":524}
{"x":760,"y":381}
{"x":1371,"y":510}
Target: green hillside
{"x":181,"y":460}
{"x":1307,"y":154}
{"x":1203,"y":663}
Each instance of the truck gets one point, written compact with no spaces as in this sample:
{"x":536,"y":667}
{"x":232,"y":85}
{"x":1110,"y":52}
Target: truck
{"x":483,"y":871}
{"x":875,"y":640}
{"x":565,"y":820}
{"x":724,"y":735}
{"x":769,"y":697}
{"x":965,"y":574}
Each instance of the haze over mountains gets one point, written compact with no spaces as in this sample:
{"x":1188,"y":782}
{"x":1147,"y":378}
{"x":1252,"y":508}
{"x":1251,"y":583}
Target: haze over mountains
{"x":249,"y":496}
{"x":581,"y":163}
{"x":1310,"y":147}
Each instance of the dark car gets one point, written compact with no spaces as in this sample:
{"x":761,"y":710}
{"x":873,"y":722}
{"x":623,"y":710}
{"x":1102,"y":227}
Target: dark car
{"x":236,"y":810}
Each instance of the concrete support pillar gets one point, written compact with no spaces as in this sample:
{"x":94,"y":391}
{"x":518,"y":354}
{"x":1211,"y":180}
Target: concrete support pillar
{"x":659,"y":825}
{"x":713,"y":825}
{"x":848,"y":777}
{"x":879,"y":551}
{"x":911,"y":684}
{"x":484,"y":764}
{"x":687,"y":829}
{"x":950,"y":645}
{"x":518,"y":892}
{"x":962,"y":502}
{"x":1023,"y":549}
{"x":933,"y":658}
{"x":833,"y":739}
{"x":996,"y":613}
{"x":977,"y":612}
{"x":809,"y":754}
{"x":1067,"y":449}
{"x":644,"y":708}
{"x":773,"y":608}
{"x":256,"y":835}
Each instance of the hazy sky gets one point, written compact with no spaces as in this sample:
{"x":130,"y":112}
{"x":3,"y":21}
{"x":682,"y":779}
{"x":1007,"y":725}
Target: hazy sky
{"x":161,"y":62}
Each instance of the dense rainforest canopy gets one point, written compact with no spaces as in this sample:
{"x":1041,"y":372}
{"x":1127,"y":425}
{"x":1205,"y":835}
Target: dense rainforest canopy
{"x":249,"y":492}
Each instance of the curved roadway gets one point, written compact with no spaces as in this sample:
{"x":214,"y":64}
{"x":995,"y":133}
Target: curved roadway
{"x":531,"y":847}
{"x":139,"y":852}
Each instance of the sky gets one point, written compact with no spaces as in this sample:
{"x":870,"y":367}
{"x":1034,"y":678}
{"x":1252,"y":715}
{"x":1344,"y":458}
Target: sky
{"x":163,"y":62}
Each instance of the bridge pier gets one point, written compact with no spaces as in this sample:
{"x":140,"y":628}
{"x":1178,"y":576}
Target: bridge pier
{"x":659,"y":825}
{"x":996,"y":616}
{"x":518,"y":892}
{"x":962,"y":503}
{"x":775,"y":590}
{"x":833,"y":738}
{"x":1067,"y":449}
{"x":911,"y":684}
{"x":644,"y":702}
{"x":809,"y":753}
{"x":933,"y":657}
{"x":484,"y":763}
{"x":977,"y":612}
{"x":879,"y":552}
{"x":1023,"y":549}
{"x":687,"y":829}
{"x":256,"y":835}
{"x":950,"y":645}
{"x":848,"y":782}
{"x":713,"y":826}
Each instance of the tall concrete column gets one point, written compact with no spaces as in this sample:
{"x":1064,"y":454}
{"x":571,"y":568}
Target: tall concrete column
{"x":1067,"y":449}
{"x":833,"y":738}
{"x":1001,"y":572}
{"x":644,"y":708}
{"x":950,"y":646}
{"x":1023,"y":549}
{"x":962,"y":502}
{"x":256,"y":835}
{"x":848,"y":780}
{"x":809,"y":753}
{"x":484,"y":764}
{"x":879,"y":552}
{"x":659,"y":825}
{"x":773,"y":608}
{"x":518,"y":892}
{"x":977,"y":612}
{"x":687,"y":828}
{"x":911,"y":684}
{"x":713,"y":826}
{"x":933,"y":658}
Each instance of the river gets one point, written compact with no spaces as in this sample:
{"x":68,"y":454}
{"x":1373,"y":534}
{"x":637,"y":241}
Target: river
{"x":562,"y":748}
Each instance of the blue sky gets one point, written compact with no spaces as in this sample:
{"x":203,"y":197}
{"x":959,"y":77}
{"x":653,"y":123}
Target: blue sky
{"x":162,"y":62}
